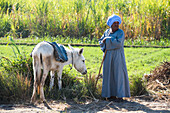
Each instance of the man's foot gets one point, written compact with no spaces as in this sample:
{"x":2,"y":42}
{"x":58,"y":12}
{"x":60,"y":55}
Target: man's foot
{"x":119,"y":100}
{"x":112,"y":98}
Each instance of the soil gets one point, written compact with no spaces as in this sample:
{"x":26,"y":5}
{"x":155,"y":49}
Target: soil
{"x":133,"y":104}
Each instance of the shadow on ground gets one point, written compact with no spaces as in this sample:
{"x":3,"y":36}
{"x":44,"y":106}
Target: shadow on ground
{"x":90,"y":107}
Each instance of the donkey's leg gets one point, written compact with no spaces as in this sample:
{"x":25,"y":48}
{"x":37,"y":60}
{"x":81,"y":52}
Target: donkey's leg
{"x":33,"y":98}
{"x":52,"y":74}
{"x":60,"y":77}
{"x":45,"y":73}
{"x":37,"y":74}
{"x":46,"y":69}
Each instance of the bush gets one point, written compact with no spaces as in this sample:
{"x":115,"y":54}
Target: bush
{"x":15,"y":79}
{"x":137,"y":86}
{"x":16,"y":83}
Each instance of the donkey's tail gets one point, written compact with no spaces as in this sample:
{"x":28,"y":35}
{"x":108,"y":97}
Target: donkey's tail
{"x":37,"y":62}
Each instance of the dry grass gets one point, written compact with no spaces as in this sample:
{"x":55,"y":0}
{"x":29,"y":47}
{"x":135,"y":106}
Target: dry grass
{"x":158,"y":82}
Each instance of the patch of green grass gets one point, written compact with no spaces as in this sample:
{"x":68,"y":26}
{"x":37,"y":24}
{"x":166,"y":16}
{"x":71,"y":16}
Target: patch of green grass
{"x":143,"y":60}
{"x":138,"y":60}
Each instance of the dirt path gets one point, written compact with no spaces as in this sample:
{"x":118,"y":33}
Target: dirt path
{"x":131,"y":105}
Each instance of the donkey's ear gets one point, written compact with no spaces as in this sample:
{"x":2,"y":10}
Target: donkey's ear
{"x":70,"y":47}
{"x":81,"y":51}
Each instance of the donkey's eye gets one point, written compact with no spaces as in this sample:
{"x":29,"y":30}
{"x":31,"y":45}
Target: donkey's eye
{"x":83,"y":61}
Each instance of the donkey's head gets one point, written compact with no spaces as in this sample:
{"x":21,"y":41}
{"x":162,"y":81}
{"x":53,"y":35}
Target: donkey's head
{"x":78,"y":60}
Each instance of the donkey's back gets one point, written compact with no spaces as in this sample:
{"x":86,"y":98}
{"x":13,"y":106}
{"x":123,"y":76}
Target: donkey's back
{"x":43,"y":48}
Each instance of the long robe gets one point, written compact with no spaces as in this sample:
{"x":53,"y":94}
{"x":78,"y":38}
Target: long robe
{"x":115,"y":76}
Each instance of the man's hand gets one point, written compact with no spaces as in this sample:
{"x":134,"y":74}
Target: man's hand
{"x":104,"y":40}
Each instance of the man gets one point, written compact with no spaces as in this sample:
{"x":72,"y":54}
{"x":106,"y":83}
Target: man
{"x":115,"y":77}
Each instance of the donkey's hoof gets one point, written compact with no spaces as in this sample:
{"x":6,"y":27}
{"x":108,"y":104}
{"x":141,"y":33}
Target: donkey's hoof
{"x":46,"y":104}
{"x":42,"y":100}
{"x":32,"y":102}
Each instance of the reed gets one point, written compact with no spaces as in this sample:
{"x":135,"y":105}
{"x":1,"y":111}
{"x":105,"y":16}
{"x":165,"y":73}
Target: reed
{"x":141,"y":19}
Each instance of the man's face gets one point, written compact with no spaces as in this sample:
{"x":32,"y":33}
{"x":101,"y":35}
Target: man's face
{"x":115,"y":26}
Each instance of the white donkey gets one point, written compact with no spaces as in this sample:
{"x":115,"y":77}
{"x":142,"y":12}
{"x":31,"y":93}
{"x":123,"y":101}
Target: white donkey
{"x":43,"y":58}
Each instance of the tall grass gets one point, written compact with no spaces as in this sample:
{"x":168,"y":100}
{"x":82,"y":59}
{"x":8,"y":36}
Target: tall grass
{"x":142,"y":19}
{"x":15,"y":77}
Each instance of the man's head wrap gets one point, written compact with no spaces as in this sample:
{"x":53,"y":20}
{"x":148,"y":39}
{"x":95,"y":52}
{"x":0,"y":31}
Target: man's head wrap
{"x":112,"y":19}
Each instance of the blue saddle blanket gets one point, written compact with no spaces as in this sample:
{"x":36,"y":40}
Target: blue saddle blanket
{"x":59,"y":52}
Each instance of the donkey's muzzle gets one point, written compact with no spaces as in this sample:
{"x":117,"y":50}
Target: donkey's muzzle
{"x":84,"y":72}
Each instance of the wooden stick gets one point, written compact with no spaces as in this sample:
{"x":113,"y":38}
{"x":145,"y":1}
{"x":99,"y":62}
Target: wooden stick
{"x":100,"y":68}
